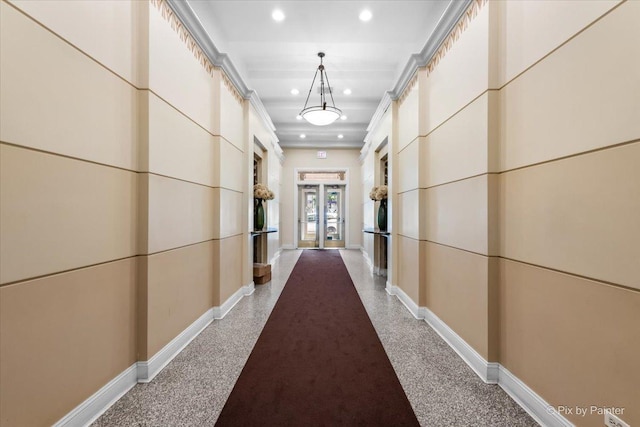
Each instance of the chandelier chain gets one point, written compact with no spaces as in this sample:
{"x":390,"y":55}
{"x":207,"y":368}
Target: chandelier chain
{"x":310,"y":89}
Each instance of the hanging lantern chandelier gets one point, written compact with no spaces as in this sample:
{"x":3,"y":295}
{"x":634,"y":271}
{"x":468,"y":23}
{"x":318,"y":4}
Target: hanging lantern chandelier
{"x":323,"y":114}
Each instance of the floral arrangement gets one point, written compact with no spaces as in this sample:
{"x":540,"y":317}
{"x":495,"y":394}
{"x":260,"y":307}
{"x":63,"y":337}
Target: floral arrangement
{"x":379,"y":193}
{"x":261,"y":191}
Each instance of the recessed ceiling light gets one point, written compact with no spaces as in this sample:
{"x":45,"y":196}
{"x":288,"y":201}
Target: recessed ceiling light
{"x":303,"y":136}
{"x":298,"y":117}
{"x":340,"y":136}
{"x":278,"y":15}
{"x":347,"y":91}
{"x":294,"y":91}
{"x":366,"y":15}
{"x":343,"y":117}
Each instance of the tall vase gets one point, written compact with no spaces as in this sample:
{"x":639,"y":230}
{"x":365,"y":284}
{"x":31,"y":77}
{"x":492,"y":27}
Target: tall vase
{"x":382,"y":215}
{"x":258,"y":218}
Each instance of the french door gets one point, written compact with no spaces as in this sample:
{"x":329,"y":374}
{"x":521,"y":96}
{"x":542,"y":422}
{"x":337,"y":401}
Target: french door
{"x":333,"y":231}
{"x":308,"y":216}
{"x":321,"y":216}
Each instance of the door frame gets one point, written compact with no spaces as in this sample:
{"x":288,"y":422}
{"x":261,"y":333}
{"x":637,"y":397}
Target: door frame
{"x":301,"y":189}
{"x":321,"y":201}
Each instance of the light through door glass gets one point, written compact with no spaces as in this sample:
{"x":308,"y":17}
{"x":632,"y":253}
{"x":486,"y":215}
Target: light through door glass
{"x":308,"y":217}
{"x":334,"y":216}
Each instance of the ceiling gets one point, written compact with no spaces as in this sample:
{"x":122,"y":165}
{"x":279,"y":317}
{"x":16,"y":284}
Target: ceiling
{"x":272,"y":58}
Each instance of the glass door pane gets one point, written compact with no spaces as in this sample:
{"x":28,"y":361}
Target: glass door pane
{"x":334,"y":216}
{"x":308,"y":217}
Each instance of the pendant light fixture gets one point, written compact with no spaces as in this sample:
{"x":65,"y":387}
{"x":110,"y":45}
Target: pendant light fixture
{"x":323,"y":114}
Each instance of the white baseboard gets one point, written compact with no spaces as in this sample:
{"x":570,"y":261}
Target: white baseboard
{"x":404,"y":299}
{"x":148,"y":369}
{"x":288,"y":247}
{"x":490,"y":372}
{"x":220,"y":312}
{"x":275,"y":257}
{"x":144,"y":371}
{"x":487,"y":371}
{"x":365,"y":255}
{"x":530,"y":401}
{"x":380,"y":271}
{"x":354,"y":247}
{"x":89,"y":410}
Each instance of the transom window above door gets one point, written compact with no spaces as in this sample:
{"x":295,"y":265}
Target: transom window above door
{"x":322,"y":176}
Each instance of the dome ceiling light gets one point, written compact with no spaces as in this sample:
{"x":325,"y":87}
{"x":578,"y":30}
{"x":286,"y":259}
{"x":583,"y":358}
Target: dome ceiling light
{"x":323,"y":114}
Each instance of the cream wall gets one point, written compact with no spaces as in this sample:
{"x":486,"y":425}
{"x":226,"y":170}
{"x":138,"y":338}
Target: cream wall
{"x":122,"y":194}
{"x":113,"y":48}
{"x":518,"y":188}
{"x":568,"y":119}
{"x":188,"y":190}
{"x":572,"y":241}
{"x":93,"y":118}
{"x":368,"y":180}
{"x":68,"y":215}
{"x":371,"y":155}
{"x":307,"y":159}
{"x":272,"y":159}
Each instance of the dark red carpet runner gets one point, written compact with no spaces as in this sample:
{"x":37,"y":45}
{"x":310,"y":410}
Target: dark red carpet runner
{"x":318,"y":361}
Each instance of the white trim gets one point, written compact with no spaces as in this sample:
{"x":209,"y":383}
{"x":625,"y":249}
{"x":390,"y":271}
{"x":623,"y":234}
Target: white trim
{"x":365,"y":254}
{"x":494,"y":373}
{"x":380,"y":271}
{"x":383,"y":106}
{"x":321,"y":203}
{"x":487,"y":371}
{"x":148,"y":369}
{"x":447,"y":23}
{"x":144,"y":371}
{"x":89,"y":410}
{"x":192,"y":23}
{"x":274,"y":258}
{"x":404,"y":299}
{"x":288,"y":247}
{"x":490,"y":372}
{"x":543,"y":413}
{"x":220,"y":312}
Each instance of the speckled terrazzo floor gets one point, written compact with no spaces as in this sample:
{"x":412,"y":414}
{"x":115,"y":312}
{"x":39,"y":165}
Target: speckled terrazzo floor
{"x":192,"y":389}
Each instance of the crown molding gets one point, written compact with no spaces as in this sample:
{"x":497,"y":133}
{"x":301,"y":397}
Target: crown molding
{"x":445,"y":26}
{"x":324,"y":145}
{"x":383,"y":106}
{"x":193,"y":25}
{"x":447,"y":23}
{"x":256,"y":102}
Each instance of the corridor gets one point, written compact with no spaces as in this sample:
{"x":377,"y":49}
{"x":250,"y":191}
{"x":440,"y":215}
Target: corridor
{"x":193,"y":388}
{"x":159,"y":157}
